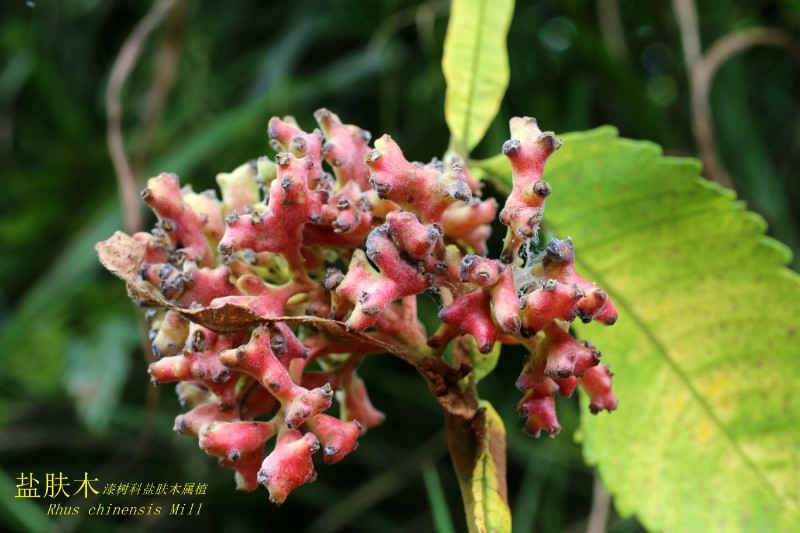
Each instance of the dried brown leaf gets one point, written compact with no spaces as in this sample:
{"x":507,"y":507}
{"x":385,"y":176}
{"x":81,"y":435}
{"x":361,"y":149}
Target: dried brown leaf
{"x":123,"y":256}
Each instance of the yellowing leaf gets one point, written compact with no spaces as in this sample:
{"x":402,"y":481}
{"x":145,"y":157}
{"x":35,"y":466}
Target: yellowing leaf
{"x":489,"y":495}
{"x":706,"y":357}
{"x":478,"y":450}
{"x":475,"y":65}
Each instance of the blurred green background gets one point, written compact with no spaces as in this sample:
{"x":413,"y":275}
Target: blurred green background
{"x":74,"y":392}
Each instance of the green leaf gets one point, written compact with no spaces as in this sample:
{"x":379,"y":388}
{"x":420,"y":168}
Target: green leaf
{"x":436,"y":496}
{"x":97,"y":369}
{"x":706,"y":436}
{"x":477,"y":447}
{"x":490,"y":512}
{"x":475,"y":65}
{"x":20,"y":513}
{"x":482,"y":364}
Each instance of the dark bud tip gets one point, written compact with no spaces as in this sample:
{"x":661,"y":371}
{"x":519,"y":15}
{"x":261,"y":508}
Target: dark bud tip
{"x":462,"y":193}
{"x":167,"y":225}
{"x":241,"y":352}
{"x":278,"y":344}
{"x":558,"y":251}
{"x":370,"y":311}
{"x":380,"y":187}
{"x":299,"y":144}
{"x":512,"y":147}
{"x":232,"y":218}
{"x":542,"y":188}
{"x":341,"y":227}
{"x":549,"y":141}
{"x":322,"y":114}
{"x":512,"y":324}
{"x":333,"y":277}
{"x":434,"y":342}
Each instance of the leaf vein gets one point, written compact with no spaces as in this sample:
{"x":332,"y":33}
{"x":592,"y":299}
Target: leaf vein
{"x":473,"y":78}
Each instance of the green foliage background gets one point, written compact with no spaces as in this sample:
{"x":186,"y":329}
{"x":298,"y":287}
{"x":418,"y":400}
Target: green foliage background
{"x":74,"y":390}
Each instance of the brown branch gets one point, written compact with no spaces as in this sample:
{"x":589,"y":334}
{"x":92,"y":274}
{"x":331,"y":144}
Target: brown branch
{"x":740,"y":41}
{"x":166,"y":66}
{"x":702,"y":77}
{"x":611,"y":29}
{"x":601,"y":507}
{"x":701,"y":70}
{"x":690,"y":32}
{"x":123,"y":65}
{"x":702,"y":121}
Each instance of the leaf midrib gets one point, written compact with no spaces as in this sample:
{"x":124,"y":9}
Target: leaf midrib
{"x":473,"y":77}
{"x":622,"y":304}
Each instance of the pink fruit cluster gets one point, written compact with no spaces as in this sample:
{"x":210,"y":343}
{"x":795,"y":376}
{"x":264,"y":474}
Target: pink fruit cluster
{"x":338,"y":230}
